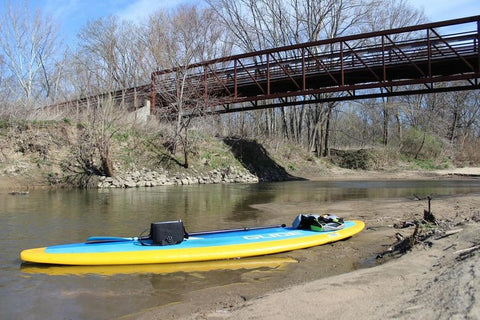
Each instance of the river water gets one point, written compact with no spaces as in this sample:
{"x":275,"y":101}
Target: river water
{"x":43,"y":218}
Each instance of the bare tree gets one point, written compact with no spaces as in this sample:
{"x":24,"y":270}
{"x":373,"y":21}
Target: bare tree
{"x":187,"y":35}
{"x":263,"y":24}
{"x":389,"y":15}
{"x":28,"y":44}
{"x":5,"y":92}
{"x":184,"y":36}
{"x":455,"y":115}
{"x":91,"y":155}
{"x":111,"y":53}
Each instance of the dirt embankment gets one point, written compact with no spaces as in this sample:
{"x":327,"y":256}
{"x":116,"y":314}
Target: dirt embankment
{"x":60,"y":154}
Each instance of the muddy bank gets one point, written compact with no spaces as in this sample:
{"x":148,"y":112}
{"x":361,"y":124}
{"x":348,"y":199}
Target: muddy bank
{"x":20,"y":183}
{"x":423,"y":283}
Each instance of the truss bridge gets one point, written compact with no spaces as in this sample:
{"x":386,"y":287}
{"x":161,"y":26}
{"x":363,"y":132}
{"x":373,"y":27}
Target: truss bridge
{"x":434,"y":57}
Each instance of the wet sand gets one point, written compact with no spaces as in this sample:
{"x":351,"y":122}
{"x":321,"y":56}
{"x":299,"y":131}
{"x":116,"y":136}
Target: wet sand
{"x":435,"y":281}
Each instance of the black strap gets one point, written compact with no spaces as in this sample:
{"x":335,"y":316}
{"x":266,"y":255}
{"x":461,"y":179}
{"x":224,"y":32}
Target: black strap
{"x":141,"y":237}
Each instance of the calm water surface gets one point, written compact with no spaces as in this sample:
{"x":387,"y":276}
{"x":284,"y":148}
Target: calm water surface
{"x":44,"y":218}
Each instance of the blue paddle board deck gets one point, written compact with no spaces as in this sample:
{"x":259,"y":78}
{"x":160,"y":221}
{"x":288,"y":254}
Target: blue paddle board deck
{"x":200,"y":247}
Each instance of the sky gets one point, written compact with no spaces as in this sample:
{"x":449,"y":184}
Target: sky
{"x":74,"y":14}
{"x":439,"y":10}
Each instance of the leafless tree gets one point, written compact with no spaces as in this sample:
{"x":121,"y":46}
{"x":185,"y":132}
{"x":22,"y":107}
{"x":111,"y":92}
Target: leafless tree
{"x":187,"y":35}
{"x":91,"y":153}
{"x":28,"y":46}
{"x":265,"y":24}
{"x":111,"y":54}
{"x":388,"y":15}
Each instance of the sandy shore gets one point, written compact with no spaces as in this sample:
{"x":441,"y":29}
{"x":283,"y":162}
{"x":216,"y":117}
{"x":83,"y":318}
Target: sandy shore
{"x":424,"y":284}
{"x":436,"y":280}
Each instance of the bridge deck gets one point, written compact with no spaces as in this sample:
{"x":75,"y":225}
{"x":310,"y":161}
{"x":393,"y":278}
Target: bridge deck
{"x":375,"y":64}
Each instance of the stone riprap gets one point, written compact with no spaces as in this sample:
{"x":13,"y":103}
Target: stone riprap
{"x":150,"y":178}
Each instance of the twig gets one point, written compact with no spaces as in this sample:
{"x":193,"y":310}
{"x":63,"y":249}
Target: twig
{"x":467,"y":251}
{"x":448,"y":233}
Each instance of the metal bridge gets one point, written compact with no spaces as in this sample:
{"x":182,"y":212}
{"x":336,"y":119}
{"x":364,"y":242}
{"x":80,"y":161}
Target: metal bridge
{"x":428,"y":58}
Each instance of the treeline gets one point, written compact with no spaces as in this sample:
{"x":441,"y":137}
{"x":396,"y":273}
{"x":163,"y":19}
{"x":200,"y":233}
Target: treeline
{"x":110,"y":54}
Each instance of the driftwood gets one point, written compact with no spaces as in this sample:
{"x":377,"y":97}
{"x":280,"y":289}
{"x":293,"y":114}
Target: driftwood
{"x":448,"y":233}
{"x":466,"y":253}
{"x":424,"y":229}
{"x":428,"y":217}
{"x":427,"y":214}
{"x":405,"y":244}
{"x":404,"y":224}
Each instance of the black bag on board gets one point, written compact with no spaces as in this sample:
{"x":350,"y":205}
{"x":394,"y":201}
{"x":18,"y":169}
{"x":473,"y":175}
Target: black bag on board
{"x":167,"y":233}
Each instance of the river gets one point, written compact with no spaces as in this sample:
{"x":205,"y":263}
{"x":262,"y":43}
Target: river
{"x":42,"y":218}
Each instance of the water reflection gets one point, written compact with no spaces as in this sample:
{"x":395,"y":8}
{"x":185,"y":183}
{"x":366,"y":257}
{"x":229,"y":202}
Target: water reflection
{"x":236,"y":264}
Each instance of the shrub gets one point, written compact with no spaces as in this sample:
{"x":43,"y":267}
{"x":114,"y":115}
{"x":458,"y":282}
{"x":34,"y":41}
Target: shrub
{"x":352,"y":159}
{"x":421,"y":145}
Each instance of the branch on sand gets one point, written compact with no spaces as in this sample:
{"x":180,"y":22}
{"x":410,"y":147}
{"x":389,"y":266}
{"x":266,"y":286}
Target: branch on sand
{"x":424,"y":229}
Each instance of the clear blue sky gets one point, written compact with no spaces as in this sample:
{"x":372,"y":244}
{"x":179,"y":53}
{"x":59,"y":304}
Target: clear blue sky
{"x":74,"y":14}
{"x":438,"y":10}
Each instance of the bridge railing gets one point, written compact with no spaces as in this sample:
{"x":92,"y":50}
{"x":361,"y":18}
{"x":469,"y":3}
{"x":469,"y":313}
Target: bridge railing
{"x":424,"y":54}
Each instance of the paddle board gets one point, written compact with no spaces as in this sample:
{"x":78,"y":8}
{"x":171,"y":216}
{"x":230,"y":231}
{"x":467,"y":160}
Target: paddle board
{"x":201,"y":247}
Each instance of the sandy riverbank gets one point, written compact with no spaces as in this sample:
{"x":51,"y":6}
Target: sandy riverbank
{"x":346,"y":174}
{"x":440,"y":281}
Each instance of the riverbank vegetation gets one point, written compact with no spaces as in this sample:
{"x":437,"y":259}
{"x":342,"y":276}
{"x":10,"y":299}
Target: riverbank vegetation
{"x":69,"y":153}
{"x":76,"y":146}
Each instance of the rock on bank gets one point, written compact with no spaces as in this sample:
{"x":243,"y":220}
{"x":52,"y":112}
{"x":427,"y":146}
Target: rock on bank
{"x":148,"y":178}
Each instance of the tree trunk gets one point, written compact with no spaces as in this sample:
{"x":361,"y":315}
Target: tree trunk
{"x":300,"y":122}
{"x":399,"y":126}
{"x":453,"y":126}
{"x":326,"y":150}
{"x":385,"y":125}
{"x":185,"y":156}
{"x":107,"y":165}
{"x":284,"y":123}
